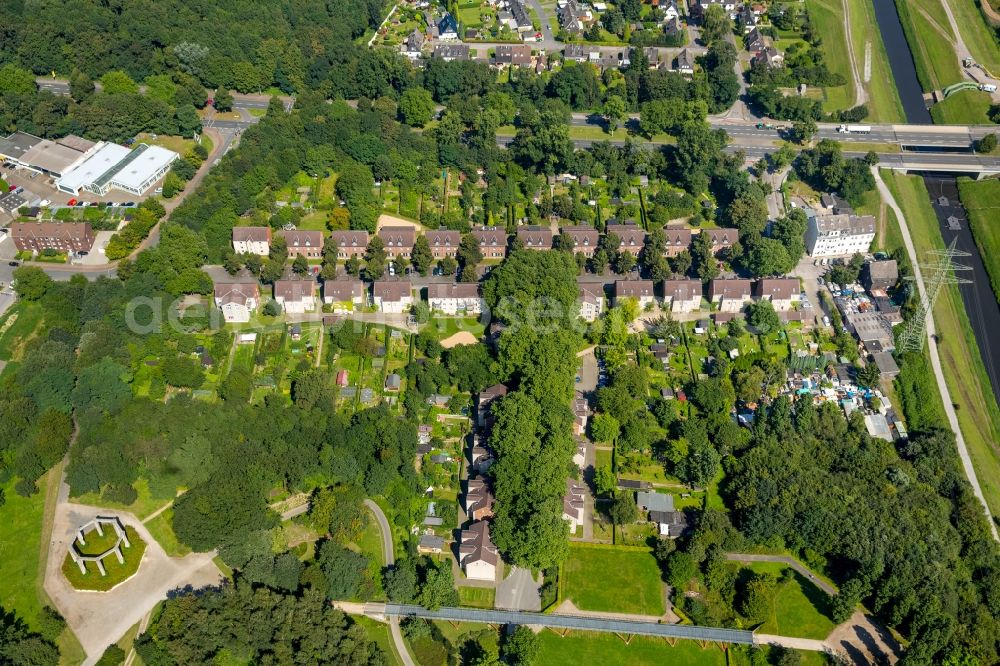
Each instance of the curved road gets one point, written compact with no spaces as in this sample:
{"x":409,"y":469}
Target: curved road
{"x":390,"y":559}
{"x":949,"y":406}
{"x":784,"y":559}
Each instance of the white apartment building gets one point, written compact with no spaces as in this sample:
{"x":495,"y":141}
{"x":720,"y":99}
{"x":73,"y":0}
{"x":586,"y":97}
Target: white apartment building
{"x":839,"y":235}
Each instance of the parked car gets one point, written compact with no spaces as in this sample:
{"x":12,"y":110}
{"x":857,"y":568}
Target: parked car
{"x":12,"y":188}
{"x":82,"y":253}
{"x":13,"y":263}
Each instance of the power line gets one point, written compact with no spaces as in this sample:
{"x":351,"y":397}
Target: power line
{"x":940,"y":270}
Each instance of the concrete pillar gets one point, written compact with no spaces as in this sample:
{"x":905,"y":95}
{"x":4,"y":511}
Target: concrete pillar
{"x":80,"y":539}
{"x":100,"y":530}
{"x":79,"y":562}
{"x":124,"y":536}
{"x":100,"y":567}
{"x":118,"y":552}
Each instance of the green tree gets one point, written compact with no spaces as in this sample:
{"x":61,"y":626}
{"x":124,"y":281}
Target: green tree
{"x":81,"y":86}
{"x":520,"y":647}
{"x":758,"y":597}
{"x":762,"y":317}
{"x":614,"y":112}
{"x":31,"y":283}
{"x":802,"y":131}
{"x":416,"y":107}
{"x":715,"y":24}
{"x":604,"y":428}
{"x":623,"y":509}
{"x":421,"y":255}
{"x":987,"y":144}
{"x":15,"y":80}
{"x":118,"y":82}
{"x":223,"y":99}
{"x":343,"y":568}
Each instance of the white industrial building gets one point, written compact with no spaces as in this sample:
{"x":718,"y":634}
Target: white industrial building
{"x":110,"y":166}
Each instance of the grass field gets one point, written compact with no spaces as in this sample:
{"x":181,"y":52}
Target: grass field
{"x":978,"y":414}
{"x":929,"y":36}
{"x":828,"y":15}
{"x":20,"y":547}
{"x":477,"y":597}
{"x":17,"y":327}
{"x":116,"y":572}
{"x":966,"y":107}
{"x":982,"y":201}
{"x":593,"y":648}
{"x":613,"y":579}
{"x":977,"y":35}
{"x":800,"y":608}
{"x":883,"y":99}
{"x":162,"y":530}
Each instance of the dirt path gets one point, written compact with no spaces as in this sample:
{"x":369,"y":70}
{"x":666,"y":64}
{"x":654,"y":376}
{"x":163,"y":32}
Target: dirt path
{"x":931,"y":332}
{"x":460,"y":338}
{"x":860,"y":94}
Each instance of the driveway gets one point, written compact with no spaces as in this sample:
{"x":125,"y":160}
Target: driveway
{"x":100,"y":618}
{"x":588,"y":372}
{"x":519,"y":591}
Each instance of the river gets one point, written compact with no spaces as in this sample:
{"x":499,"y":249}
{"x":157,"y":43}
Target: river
{"x":980,"y":302}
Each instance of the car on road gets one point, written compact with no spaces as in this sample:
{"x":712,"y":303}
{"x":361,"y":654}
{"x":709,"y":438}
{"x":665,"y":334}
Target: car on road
{"x":71,"y":202}
{"x":13,"y":263}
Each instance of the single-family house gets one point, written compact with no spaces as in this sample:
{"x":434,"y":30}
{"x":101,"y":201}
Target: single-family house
{"x":398,"y":241}
{"x":350,"y":243}
{"x":591,"y":301}
{"x":413,"y":45}
{"x":295,"y":296}
{"x":535,"y":237}
{"x":730,"y":295}
{"x":454,"y":298}
{"x":447,"y":27}
{"x":237,"y":300}
{"x":640,"y":290}
{"x":880,"y":275}
{"x":630,"y":236}
{"x":392,"y":297}
{"x":252,"y":240}
{"x":450,"y":52}
{"x":477,"y":554}
{"x":783,"y":293}
{"x":573,"y":504}
{"x":584,"y":237}
{"x":513,"y":55}
{"x":344,"y":294}
{"x":492,"y":242}
{"x":670,"y":524}
{"x":393,"y":382}
{"x":581,"y":414}
{"x":684,"y":63}
{"x":480,"y":459}
{"x":308,"y":244}
{"x":650,"y":500}
{"x":684,"y":295}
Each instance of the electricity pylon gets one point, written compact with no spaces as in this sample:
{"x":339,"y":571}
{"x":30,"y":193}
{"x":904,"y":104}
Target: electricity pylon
{"x":938,"y":271}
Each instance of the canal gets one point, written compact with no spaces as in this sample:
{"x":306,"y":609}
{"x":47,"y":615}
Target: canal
{"x":980,"y":302}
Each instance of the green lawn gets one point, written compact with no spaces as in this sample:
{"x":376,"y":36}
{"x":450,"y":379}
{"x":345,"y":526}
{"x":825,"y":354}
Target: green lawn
{"x":580,"y":647}
{"x":982,"y":201}
{"x":883,"y":99}
{"x":929,"y":36}
{"x":116,"y":572}
{"x":977,"y":35}
{"x":978,"y":414}
{"x":20,"y":548}
{"x":800,"y":609}
{"x":612,"y":579}
{"x":17,"y":327}
{"x":162,"y":530}
{"x":828,"y":16}
{"x":966,"y":107}
{"x":477,"y":597}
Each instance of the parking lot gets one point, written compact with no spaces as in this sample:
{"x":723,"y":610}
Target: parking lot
{"x":39,"y":187}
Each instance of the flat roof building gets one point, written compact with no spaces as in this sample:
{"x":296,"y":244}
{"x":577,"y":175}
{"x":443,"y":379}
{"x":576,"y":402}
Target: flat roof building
{"x":109,"y":165}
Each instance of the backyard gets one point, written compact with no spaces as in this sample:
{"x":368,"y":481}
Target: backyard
{"x":613,"y":579}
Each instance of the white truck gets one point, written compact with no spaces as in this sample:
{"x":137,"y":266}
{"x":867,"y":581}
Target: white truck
{"x":987,"y":87}
{"x":855,"y":129}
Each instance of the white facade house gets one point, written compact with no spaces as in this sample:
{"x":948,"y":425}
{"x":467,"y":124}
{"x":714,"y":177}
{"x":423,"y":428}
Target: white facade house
{"x":252,"y":240}
{"x":591,"y":302}
{"x":683,"y":295}
{"x":345,"y":295}
{"x":392,"y":297}
{"x":455,"y":298}
{"x":573,"y":505}
{"x":237,"y":301}
{"x":784,"y":293}
{"x":729,"y":295}
{"x":838,"y":235}
{"x":295,"y":296}
{"x":477,"y":554}
{"x":640,"y":290}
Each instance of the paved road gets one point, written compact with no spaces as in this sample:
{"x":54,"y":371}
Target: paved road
{"x":548,"y":39}
{"x":949,"y":406}
{"x":784,"y":559}
{"x":390,"y":558}
{"x":519,"y":591}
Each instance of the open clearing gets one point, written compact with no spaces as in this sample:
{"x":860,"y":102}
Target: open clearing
{"x":613,"y":579}
{"x":460,"y":338}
